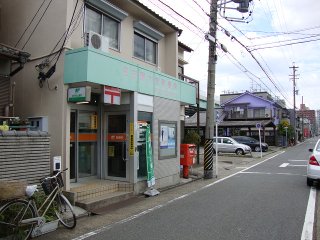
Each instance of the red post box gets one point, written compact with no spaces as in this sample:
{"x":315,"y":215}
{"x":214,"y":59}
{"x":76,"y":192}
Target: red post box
{"x":187,"y":153}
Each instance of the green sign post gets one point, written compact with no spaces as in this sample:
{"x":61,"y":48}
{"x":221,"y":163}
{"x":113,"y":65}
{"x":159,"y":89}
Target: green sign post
{"x":151,"y":181}
{"x":149,"y":159}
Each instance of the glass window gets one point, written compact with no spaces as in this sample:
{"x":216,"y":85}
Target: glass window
{"x":145,"y":48}
{"x":139,"y":46}
{"x":150,"y":51}
{"x":111,"y":30}
{"x":93,"y":21}
{"x":259,"y":113}
{"x":104,"y":25}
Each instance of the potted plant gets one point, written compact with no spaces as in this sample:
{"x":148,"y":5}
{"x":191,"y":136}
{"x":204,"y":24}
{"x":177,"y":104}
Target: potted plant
{"x":19,"y":124}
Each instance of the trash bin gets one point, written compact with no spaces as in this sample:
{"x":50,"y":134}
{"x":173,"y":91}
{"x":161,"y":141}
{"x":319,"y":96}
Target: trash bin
{"x":187,"y":153}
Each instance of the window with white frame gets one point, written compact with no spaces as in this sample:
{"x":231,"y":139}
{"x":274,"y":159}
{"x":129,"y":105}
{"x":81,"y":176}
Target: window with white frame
{"x":102,"y":24}
{"x":145,"y":48}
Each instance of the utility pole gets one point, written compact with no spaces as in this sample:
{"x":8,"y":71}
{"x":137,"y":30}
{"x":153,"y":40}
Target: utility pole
{"x":294,"y":78}
{"x":243,"y":7}
{"x":210,"y":120}
{"x":302,"y":124}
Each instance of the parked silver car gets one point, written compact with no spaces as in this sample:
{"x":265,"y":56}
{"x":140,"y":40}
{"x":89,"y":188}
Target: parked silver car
{"x":229,"y":145}
{"x":313,"y":167}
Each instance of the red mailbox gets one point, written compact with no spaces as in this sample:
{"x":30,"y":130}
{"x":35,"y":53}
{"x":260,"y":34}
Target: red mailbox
{"x":187,"y":153}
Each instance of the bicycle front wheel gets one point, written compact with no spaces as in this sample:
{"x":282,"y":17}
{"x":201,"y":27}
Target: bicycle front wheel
{"x":64,"y":212}
{"x":11,"y":215}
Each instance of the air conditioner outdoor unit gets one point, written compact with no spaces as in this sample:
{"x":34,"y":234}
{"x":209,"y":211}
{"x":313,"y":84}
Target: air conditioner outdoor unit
{"x":97,"y":41}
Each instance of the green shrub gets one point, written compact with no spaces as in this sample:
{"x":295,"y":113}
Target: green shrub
{"x":192,"y":137}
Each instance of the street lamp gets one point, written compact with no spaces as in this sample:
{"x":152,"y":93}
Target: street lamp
{"x":286,"y":128}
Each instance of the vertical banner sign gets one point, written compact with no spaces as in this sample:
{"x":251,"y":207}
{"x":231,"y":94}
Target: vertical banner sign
{"x":149,"y":159}
{"x":131,"y":143}
{"x":111,"y":95}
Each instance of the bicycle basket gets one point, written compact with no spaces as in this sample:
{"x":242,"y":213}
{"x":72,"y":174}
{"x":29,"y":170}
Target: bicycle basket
{"x":47,"y":186}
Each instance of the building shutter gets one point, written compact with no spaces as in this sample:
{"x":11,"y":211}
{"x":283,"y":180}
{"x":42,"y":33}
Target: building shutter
{"x":4,"y":94}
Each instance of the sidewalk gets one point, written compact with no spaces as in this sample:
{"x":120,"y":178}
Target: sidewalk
{"x":227,"y":163}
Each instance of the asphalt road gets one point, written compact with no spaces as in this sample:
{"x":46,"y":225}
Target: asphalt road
{"x":264,"y":202}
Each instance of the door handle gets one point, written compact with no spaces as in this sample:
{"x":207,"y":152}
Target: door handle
{"x":124,"y":154}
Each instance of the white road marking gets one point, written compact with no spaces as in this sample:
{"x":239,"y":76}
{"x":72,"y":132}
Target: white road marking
{"x":284,"y":165}
{"x":269,"y":173}
{"x":297,"y":165}
{"x":108,"y":227}
{"x":307,"y":231}
{"x":298,"y":160}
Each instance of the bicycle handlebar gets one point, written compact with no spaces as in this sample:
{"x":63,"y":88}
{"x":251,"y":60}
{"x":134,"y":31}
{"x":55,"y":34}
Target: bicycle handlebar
{"x":54,"y":176}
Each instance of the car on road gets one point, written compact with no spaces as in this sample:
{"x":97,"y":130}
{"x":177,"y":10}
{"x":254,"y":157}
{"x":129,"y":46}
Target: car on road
{"x":251,"y":142}
{"x":229,"y":145}
{"x":313,"y":167}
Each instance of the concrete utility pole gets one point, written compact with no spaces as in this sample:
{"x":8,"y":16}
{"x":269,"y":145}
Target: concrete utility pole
{"x":294,"y":78}
{"x":210,"y":120}
{"x":302,"y":124}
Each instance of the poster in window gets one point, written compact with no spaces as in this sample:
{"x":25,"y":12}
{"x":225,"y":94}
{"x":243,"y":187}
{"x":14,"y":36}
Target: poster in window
{"x":167,"y":139}
{"x":171,"y":138}
{"x":163,"y":137}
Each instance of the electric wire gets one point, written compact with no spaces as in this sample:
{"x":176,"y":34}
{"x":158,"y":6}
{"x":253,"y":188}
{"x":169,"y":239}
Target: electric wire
{"x":282,"y":45}
{"x":189,"y":21}
{"x":74,"y":10}
{"x":201,"y":8}
{"x":75,"y":23}
{"x":29,"y":24}
{"x":256,"y":60}
{"x":259,"y":64}
{"x":34,"y":29}
{"x":280,"y":85}
{"x":204,"y":17}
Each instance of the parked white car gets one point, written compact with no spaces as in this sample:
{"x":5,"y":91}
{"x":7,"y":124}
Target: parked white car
{"x":313,"y":167}
{"x":229,"y":145}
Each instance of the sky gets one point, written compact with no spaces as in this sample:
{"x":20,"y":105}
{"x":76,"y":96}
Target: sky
{"x":276,"y":35}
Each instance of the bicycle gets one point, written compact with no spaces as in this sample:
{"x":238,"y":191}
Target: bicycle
{"x":18,"y":217}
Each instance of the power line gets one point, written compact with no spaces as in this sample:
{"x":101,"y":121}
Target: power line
{"x":282,"y":45}
{"x":256,"y":60}
{"x":43,"y":76}
{"x":29,"y":24}
{"x":34,"y":29}
{"x":182,"y":16}
{"x":74,"y":10}
{"x":283,"y":41}
{"x":200,"y":7}
{"x":75,"y":23}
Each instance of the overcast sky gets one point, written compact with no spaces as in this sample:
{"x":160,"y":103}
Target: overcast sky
{"x":272,"y":23}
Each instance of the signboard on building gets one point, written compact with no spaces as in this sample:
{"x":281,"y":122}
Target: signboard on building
{"x":79,"y":94}
{"x":131,"y":143}
{"x":111,"y":95}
